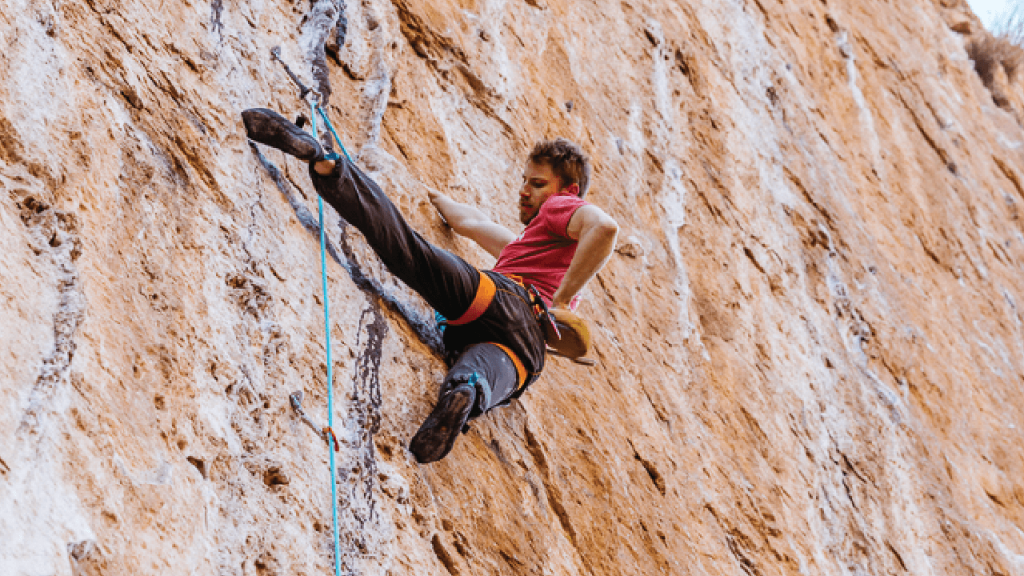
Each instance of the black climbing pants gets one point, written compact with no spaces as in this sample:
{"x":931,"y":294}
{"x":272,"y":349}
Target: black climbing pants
{"x":448,"y":284}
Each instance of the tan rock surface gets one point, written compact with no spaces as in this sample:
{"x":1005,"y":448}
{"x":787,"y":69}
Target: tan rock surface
{"x":810,"y":341}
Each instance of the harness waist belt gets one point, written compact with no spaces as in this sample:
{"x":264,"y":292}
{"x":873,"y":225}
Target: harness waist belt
{"x":484,"y":295}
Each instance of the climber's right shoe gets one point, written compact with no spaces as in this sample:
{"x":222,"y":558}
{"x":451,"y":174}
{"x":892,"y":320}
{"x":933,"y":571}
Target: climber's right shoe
{"x":437,"y":435}
{"x":268,"y":127}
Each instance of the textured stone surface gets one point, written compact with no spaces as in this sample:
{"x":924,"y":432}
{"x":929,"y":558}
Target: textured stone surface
{"x":810,"y":341}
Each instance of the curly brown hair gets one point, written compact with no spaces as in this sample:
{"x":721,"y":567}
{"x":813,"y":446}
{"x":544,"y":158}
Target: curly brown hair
{"x":567,"y":161}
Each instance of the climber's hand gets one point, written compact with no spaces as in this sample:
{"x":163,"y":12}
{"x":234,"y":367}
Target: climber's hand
{"x":436,"y":198}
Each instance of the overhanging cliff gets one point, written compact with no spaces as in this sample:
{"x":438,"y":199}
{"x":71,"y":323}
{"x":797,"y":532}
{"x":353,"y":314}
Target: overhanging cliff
{"x":810,"y":340}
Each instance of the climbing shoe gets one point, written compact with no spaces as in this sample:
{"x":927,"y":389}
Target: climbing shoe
{"x":268,"y":127}
{"x":437,"y":435}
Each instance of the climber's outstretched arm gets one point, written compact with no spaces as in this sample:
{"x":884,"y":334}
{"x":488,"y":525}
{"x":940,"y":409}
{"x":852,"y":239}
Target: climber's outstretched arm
{"x":596,"y":232}
{"x":470,"y":222}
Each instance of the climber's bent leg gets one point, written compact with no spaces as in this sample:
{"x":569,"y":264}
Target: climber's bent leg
{"x":497,"y":377}
{"x":463,"y":396}
{"x":448,"y":283}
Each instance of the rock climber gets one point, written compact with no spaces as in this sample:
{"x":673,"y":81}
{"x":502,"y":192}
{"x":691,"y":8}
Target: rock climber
{"x":492,"y":325}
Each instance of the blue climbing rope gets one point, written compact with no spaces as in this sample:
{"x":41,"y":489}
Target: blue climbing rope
{"x":327,"y":122}
{"x":327,"y":330}
{"x":316,"y":109}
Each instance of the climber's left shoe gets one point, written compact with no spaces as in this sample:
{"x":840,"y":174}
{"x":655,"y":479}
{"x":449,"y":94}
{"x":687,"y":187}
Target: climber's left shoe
{"x":268,"y":127}
{"x":437,"y":435}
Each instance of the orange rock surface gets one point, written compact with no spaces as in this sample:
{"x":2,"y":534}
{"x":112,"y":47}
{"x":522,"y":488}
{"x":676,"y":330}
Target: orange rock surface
{"x":809,"y":342}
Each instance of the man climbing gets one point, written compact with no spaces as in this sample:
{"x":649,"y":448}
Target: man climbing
{"x":492,"y":327}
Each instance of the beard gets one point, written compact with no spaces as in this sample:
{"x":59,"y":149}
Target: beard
{"x":526,"y":216}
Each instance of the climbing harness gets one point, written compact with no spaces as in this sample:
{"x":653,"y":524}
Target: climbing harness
{"x":573,"y":345}
{"x":327,"y":433}
{"x":485,"y":292}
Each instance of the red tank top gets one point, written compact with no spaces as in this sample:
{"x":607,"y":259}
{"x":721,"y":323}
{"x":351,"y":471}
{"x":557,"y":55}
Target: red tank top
{"x":542,"y":253}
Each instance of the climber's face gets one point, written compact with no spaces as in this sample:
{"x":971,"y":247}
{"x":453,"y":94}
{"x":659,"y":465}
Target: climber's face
{"x":539,"y":184}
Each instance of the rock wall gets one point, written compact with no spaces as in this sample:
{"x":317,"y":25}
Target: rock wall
{"x":810,"y":340}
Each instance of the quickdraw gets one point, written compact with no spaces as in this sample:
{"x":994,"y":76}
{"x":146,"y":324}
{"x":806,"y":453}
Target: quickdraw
{"x":325,"y":432}
{"x":315,"y":108}
{"x":541,"y":310}
{"x":303,"y":90}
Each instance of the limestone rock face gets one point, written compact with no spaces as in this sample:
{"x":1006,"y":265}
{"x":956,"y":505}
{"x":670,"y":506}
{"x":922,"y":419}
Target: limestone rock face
{"x":809,"y":341}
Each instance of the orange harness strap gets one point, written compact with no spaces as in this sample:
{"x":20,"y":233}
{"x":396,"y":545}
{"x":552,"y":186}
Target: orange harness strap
{"x":520,"y":369}
{"x":484,"y":295}
{"x":485,"y":292}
